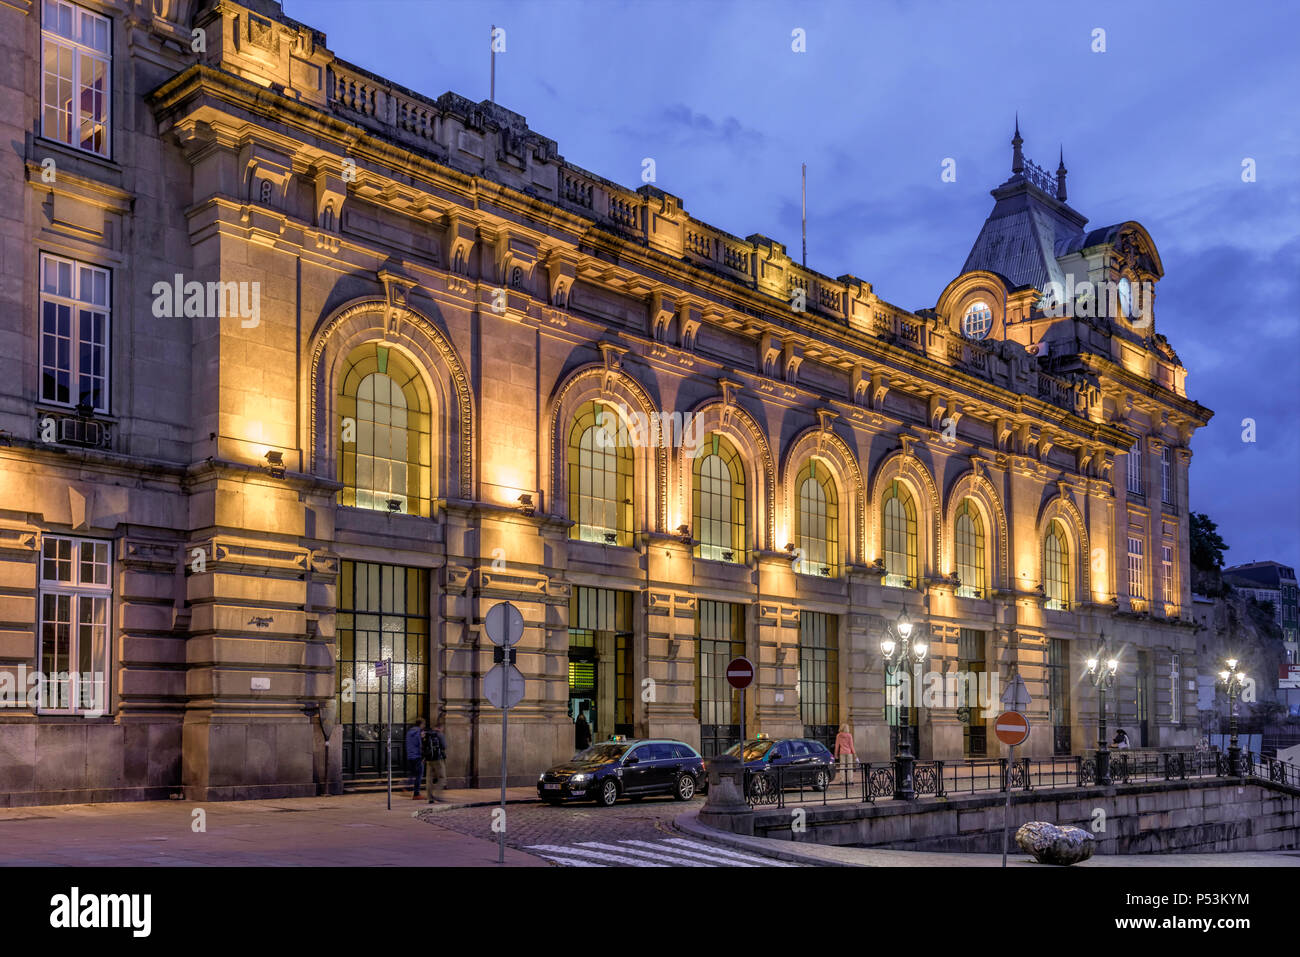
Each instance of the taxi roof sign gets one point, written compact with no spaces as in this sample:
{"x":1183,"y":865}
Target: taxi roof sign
{"x":618,"y":738}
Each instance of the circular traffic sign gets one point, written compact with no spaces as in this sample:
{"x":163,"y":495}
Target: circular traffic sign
{"x":505,"y":624}
{"x":740,"y":673}
{"x":1011,"y":727}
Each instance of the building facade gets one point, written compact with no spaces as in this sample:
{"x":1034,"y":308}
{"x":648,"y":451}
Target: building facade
{"x":1276,"y":583}
{"x":304,"y":370}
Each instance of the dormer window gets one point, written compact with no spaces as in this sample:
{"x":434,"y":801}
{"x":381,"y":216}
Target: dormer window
{"x":978,"y":320}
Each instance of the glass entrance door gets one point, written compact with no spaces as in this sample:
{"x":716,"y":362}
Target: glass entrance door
{"x":383,"y":613}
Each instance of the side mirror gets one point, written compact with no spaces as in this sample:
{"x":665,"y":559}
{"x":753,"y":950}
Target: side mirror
{"x":633,"y":759}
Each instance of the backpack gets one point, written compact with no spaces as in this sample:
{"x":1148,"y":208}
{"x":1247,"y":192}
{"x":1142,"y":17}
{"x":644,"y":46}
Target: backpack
{"x":433,"y":747}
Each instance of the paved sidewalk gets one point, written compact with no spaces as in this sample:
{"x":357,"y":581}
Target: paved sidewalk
{"x":348,"y":830}
{"x":826,"y":855}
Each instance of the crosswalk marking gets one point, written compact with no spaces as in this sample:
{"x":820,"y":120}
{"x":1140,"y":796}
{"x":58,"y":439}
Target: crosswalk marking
{"x":621,"y":847}
{"x":765,"y":861}
{"x":707,"y":857}
{"x":570,"y":861}
{"x":674,"y":852}
{"x":584,"y":852}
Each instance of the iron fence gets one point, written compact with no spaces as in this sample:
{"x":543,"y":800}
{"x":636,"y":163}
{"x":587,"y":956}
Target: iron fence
{"x":866,"y":782}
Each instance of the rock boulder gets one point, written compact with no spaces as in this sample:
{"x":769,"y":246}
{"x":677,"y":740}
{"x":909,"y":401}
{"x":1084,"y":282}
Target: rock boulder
{"x":1051,"y":844}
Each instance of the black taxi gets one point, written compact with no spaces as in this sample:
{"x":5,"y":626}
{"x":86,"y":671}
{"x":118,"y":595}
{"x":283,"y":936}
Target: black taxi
{"x":794,"y":762}
{"x":619,"y":768}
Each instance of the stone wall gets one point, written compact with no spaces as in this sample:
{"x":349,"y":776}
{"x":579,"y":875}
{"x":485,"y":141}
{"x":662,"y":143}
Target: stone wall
{"x":1160,"y":817}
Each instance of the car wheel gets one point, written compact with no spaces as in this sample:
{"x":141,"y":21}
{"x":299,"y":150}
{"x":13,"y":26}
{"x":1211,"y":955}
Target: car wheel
{"x":759,"y":785}
{"x":684,"y":790}
{"x":608,"y":793}
{"x":820,"y":780}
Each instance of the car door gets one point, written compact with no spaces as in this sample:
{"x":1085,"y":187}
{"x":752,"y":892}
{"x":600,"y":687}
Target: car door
{"x":778,"y":763}
{"x":667,"y":766}
{"x":801,"y":765}
{"x":639,"y":772}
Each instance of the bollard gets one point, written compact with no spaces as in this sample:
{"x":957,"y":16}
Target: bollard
{"x":725,"y":807}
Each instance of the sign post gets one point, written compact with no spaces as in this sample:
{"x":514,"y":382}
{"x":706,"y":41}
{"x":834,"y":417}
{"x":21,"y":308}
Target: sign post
{"x":740,"y":675}
{"x":1012,"y":728}
{"x":503,"y":686}
{"x":383,"y":668}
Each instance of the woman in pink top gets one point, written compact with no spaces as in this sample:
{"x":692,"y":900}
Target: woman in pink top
{"x":844,"y":752}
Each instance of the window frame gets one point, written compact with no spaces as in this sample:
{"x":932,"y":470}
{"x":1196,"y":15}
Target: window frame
{"x":827,"y":553}
{"x":78,"y":50}
{"x":616,"y":472}
{"x":1133,"y":479}
{"x":1136,"y":569}
{"x":979,"y":545}
{"x":74,"y":302}
{"x":900,"y":494}
{"x":737,"y":503}
{"x":1056,"y":534}
{"x":77,"y":590}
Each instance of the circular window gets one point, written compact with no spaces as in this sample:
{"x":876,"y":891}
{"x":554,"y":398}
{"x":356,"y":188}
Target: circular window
{"x":978,"y":320}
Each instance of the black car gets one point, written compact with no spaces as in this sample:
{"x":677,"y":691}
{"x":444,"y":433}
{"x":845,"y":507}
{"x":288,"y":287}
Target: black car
{"x":793,"y":762}
{"x":635,"y":769}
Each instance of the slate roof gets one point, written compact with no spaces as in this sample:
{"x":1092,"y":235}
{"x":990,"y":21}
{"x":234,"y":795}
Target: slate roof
{"x":1259,"y":574}
{"x":1022,"y":234}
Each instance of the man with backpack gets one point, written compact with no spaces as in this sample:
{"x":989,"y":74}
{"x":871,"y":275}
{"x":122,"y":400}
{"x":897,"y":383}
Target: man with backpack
{"x":435,"y":756}
{"x":414,"y":756}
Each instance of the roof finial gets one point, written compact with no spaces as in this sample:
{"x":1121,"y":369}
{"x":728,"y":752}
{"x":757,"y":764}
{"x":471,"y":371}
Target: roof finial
{"x":1060,"y":177}
{"x":1017,"y":157}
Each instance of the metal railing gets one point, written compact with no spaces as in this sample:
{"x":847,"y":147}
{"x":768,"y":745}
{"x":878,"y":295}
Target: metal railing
{"x":866,"y":782}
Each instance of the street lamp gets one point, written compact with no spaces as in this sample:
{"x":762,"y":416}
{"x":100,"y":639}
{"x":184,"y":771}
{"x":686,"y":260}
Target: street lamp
{"x":897,"y":648}
{"x":1102,"y":667}
{"x":1231,"y":680}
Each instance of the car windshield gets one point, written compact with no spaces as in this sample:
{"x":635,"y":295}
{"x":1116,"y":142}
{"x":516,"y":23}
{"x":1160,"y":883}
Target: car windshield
{"x":601,"y":753}
{"x":753,"y":750}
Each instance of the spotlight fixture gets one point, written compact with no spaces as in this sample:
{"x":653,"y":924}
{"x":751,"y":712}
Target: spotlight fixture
{"x":728,"y":556}
{"x":526,"y":505}
{"x":684,"y":533}
{"x":610,"y":538}
{"x":275,"y":463}
{"x":791,"y":547}
{"x":394,"y":504}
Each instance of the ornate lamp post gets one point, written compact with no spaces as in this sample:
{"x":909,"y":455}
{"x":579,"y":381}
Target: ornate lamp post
{"x":1101,"y":669}
{"x":897,"y":648}
{"x":1231,"y":680}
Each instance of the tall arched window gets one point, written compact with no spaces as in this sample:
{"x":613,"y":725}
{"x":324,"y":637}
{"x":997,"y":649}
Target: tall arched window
{"x":719,"y":495}
{"x":600,"y":477}
{"x":899,"y":523}
{"x":817,"y":534}
{"x":1056,"y":567}
{"x":385,"y":446}
{"x":968,"y":534}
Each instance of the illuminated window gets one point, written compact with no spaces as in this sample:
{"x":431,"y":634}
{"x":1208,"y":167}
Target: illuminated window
{"x":1136,"y":569}
{"x":75,"y":64}
{"x":719,"y":495}
{"x":76,"y":589}
{"x":1167,"y":575}
{"x":1135,"y":468}
{"x":385,"y":453}
{"x":899,"y":522}
{"x":978,"y":320}
{"x":817,"y":534}
{"x":1167,"y":475}
{"x":600,"y":477}
{"x":968,"y":534}
{"x":1056,"y":567}
{"x":74,"y":333}
{"x":819,"y":676}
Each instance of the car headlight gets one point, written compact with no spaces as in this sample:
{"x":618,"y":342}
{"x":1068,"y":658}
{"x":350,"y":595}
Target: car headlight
{"x":579,"y":778}
{"x":541,"y":777}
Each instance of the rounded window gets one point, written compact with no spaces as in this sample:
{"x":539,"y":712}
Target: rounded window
{"x":978,"y":320}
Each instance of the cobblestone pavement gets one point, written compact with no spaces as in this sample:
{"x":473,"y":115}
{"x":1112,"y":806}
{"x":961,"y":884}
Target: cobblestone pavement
{"x":639,"y":834}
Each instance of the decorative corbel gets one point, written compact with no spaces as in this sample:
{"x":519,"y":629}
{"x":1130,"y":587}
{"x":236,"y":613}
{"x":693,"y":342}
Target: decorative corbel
{"x":612,"y":356}
{"x":791,"y":360}
{"x":879,"y":389}
{"x":729,"y":391}
{"x":769,"y":354}
{"x":860,"y":384}
{"x":397,"y":288}
{"x":662,"y":310}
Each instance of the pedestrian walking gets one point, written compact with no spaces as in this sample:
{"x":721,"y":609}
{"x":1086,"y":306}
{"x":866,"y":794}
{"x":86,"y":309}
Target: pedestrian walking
{"x":415,"y":756}
{"x":435,"y":756}
{"x":581,"y":732}
{"x":845,"y":754}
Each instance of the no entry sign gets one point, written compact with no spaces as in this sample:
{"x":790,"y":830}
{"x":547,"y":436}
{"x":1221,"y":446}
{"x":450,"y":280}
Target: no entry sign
{"x":1011,"y":727}
{"x":740,"y":673}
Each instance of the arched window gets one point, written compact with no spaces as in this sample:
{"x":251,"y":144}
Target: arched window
{"x":899,"y":522}
{"x":719,"y":495}
{"x":1056,"y":567}
{"x":600,"y":477}
{"x":385,"y":445}
{"x":968,"y":534}
{"x":817,"y":534}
